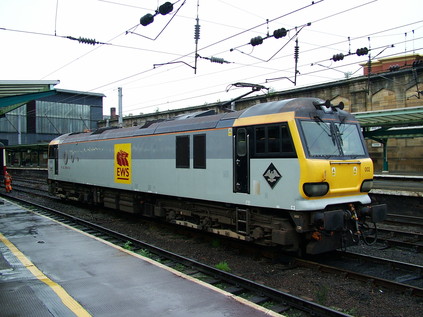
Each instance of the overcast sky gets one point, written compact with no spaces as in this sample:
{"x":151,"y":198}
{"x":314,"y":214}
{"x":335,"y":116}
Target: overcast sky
{"x":156,"y":66}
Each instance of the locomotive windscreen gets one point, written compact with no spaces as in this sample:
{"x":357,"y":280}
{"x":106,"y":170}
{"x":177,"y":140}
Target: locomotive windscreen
{"x":327,"y":139}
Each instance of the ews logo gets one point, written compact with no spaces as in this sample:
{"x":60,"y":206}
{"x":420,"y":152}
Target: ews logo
{"x":122,"y":164}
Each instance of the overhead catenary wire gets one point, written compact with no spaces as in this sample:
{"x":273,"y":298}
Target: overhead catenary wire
{"x":249,"y":29}
{"x":220,"y":41}
{"x":310,"y":73}
{"x":287,"y":69}
{"x":239,"y":33}
{"x":185,"y":55}
{"x":260,"y":81}
{"x":257,"y":65}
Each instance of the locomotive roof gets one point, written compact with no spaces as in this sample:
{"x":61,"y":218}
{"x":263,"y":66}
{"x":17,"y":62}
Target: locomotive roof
{"x":303,"y":107}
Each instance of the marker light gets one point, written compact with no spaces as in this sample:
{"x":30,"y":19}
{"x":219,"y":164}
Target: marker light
{"x":367,"y":185}
{"x":316,"y":189}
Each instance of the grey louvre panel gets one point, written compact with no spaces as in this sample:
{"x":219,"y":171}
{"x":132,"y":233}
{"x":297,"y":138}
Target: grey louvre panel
{"x":227,"y":123}
{"x":197,"y":123}
{"x":101,"y":130}
{"x":298,"y":105}
{"x":119,"y":133}
{"x":195,"y":115}
{"x":265,"y":108}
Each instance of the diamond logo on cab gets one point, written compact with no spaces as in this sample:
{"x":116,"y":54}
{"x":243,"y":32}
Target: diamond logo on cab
{"x":272,"y":175}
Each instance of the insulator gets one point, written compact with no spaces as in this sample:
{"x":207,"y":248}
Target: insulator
{"x":296,"y":52}
{"x":338,"y":57}
{"x":147,"y":19}
{"x":362,"y":51}
{"x":166,"y":8}
{"x":256,"y":41}
{"x":197,"y":32}
{"x":277,"y":34}
{"x":87,"y":41}
{"x":217,"y":60}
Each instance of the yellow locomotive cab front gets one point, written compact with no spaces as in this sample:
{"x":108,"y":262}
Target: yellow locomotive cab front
{"x":339,"y":177}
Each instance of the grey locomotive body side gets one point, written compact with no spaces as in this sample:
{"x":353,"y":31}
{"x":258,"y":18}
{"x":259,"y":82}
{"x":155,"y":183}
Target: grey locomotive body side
{"x":250,"y":175}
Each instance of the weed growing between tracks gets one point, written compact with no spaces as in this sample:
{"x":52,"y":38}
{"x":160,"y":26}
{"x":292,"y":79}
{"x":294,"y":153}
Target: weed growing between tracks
{"x":223,"y":266}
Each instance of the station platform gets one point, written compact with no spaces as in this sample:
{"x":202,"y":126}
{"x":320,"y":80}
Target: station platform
{"x":50,"y":269}
{"x":398,"y":184}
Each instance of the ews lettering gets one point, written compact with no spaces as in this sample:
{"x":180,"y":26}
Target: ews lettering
{"x":122,"y":172}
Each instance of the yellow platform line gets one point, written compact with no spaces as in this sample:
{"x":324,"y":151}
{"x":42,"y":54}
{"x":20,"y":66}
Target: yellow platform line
{"x":67,"y":300}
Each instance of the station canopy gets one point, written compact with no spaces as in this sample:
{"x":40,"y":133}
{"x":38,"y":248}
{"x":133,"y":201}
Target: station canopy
{"x":15,"y":93}
{"x":392,"y":123}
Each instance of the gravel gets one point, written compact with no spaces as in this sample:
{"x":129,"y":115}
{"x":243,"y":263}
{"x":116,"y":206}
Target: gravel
{"x":337,"y":291}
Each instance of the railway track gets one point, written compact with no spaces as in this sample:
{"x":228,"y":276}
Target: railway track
{"x":30,"y":189}
{"x":396,"y":219}
{"x":275,"y":300}
{"x":381,"y":272}
{"x":404,"y":238}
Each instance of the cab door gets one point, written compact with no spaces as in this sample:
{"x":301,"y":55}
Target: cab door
{"x":53,"y":154}
{"x":241,"y":182}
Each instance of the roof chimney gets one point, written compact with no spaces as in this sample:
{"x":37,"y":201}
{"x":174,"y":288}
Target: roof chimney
{"x":113,"y":114}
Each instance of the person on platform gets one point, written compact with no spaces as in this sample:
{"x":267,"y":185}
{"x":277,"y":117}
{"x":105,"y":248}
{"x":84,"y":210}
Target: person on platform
{"x":8,"y":182}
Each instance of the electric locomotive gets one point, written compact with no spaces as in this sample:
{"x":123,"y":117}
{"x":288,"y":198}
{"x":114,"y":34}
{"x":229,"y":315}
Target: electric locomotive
{"x":293,"y":173}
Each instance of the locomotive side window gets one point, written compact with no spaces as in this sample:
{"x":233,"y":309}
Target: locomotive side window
{"x":182,"y":151}
{"x":241,"y":145}
{"x":200,"y":151}
{"x":287,"y":145}
{"x":260,"y":143}
{"x":273,"y":141}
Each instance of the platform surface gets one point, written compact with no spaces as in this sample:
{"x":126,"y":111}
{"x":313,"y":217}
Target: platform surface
{"x":48,"y":269}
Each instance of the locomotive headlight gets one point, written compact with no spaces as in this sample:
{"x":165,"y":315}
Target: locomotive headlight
{"x":367,"y":185}
{"x":316,"y":189}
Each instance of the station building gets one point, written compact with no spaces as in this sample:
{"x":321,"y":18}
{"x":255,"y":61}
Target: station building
{"x":33,"y":112}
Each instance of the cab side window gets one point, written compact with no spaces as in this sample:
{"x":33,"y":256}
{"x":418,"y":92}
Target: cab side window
{"x":273,"y":140}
